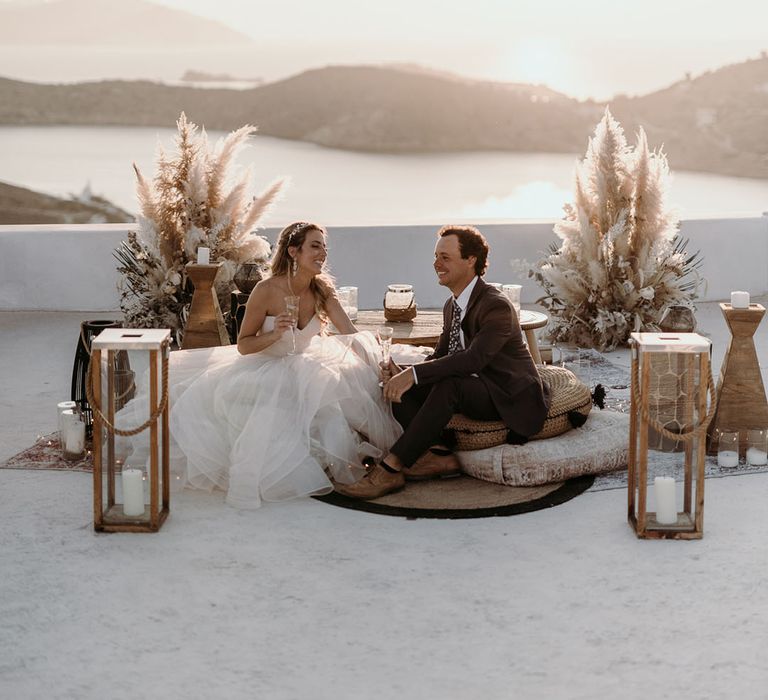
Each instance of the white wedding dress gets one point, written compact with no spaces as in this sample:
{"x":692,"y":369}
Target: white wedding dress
{"x":272,"y":426}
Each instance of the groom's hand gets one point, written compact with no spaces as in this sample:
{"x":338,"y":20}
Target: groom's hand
{"x":398,"y":385}
{"x":388,"y":371}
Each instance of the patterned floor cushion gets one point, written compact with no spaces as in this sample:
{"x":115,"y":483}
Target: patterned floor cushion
{"x":599,"y":446}
{"x":570,"y":406}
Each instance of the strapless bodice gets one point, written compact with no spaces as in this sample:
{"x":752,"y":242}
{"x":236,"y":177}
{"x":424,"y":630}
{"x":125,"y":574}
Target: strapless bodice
{"x":284,"y":344}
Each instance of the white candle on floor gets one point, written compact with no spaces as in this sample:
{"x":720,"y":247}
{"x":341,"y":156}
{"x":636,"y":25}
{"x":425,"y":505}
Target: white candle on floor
{"x":203,"y":256}
{"x":756,"y":457}
{"x":74,"y":436}
{"x":728,"y":458}
{"x":60,"y":408}
{"x":666,"y":500}
{"x":133,"y":492}
{"x":740,"y":300}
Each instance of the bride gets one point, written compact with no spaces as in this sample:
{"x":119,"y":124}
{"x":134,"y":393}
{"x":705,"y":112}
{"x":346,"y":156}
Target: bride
{"x":290,"y":409}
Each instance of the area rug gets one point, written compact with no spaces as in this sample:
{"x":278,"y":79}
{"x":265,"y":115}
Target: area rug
{"x":596,"y":368}
{"x":464,"y":497}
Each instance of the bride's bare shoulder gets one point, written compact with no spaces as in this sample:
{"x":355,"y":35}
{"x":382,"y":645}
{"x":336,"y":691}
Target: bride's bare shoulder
{"x":270,"y":287}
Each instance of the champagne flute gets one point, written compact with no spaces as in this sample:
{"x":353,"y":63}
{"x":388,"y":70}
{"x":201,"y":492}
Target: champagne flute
{"x":292,"y":309}
{"x":384,"y":334}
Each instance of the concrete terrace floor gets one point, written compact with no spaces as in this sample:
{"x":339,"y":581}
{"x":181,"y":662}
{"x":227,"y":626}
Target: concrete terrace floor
{"x":304,"y":600}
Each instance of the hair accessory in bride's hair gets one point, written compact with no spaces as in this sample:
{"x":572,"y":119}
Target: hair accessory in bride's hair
{"x":295,"y":231}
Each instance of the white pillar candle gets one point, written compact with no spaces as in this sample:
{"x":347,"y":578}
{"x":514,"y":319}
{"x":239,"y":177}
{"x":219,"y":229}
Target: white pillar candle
{"x":756,"y":457}
{"x":203,"y":256}
{"x":74,"y":437}
{"x":728,"y":458}
{"x":60,"y":408}
{"x":133,"y":492}
{"x":666,"y":500}
{"x":740,"y":300}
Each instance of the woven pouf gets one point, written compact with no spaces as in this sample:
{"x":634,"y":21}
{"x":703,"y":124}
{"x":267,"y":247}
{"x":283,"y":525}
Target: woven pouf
{"x":599,"y":446}
{"x":571,"y":402}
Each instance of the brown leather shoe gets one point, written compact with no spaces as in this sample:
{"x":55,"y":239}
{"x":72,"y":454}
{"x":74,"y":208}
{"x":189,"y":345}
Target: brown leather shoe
{"x":432,"y":466}
{"x":376,"y":483}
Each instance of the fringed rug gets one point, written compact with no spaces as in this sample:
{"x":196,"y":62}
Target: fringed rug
{"x":46,"y":454}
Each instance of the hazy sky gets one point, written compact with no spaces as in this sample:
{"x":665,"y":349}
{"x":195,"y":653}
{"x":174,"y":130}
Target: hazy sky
{"x":587,"y":48}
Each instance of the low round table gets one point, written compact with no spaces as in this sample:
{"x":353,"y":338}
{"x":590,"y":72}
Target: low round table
{"x":529,"y":322}
{"x":425,"y":329}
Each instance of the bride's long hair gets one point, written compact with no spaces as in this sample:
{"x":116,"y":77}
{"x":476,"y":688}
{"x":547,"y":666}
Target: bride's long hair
{"x":322,"y":284}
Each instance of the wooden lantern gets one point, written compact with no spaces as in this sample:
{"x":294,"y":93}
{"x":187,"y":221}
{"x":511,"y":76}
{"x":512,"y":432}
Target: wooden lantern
{"x":688,"y":361}
{"x":129,"y":499}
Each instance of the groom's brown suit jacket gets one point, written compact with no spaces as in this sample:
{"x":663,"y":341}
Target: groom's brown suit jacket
{"x":496,"y":352}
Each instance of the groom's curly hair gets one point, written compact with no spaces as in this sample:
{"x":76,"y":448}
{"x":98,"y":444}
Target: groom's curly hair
{"x":471,"y":242}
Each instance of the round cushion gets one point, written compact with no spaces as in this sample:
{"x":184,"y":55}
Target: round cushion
{"x":600,"y":445}
{"x":571,"y":402}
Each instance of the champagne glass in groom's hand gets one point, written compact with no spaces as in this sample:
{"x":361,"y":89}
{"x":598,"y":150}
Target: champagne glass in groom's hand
{"x":384,"y":334}
{"x":292,"y":309}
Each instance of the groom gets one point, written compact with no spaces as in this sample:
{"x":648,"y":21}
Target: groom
{"x":481,"y":368}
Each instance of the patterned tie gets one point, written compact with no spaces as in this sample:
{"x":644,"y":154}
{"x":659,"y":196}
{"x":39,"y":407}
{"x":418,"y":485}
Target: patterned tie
{"x":454,"y":337}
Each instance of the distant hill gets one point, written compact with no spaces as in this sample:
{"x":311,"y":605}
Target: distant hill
{"x":717,"y":122}
{"x":19,"y":205}
{"x":355,"y":108}
{"x":133,"y":24}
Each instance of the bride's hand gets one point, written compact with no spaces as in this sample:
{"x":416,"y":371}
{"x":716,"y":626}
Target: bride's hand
{"x":283,"y":323}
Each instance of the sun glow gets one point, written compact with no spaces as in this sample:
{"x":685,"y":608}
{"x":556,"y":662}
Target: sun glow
{"x":539,"y":61}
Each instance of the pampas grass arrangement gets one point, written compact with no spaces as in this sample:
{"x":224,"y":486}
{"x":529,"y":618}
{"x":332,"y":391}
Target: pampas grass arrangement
{"x":621,"y":261}
{"x":188,"y":204}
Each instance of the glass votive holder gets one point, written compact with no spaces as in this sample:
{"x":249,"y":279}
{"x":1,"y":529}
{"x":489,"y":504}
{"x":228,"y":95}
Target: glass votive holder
{"x":73,"y":435}
{"x":757,"y":447}
{"x":571,"y":356}
{"x":512,"y":292}
{"x":728,"y":449}
{"x":348,"y":299}
{"x":496,"y":285}
{"x":399,"y":297}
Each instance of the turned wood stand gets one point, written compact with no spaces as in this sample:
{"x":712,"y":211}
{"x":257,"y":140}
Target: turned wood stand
{"x":741,"y":401}
{"x":205,"y":326}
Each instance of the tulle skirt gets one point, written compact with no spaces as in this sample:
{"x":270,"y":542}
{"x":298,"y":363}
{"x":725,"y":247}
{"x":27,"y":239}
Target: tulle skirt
{"x":271,"y":428}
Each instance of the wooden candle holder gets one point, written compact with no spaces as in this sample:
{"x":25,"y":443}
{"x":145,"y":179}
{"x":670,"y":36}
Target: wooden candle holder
{"x":741,"y":400}
{"x":205,"y":326}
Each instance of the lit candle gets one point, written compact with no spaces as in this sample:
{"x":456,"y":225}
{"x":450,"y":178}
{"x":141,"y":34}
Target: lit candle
{"x":203,"y":256}
{"x":740,"y":300}
{"x":756,"y":457}
{"x":74,"y":443}
{"x":133,"y":492}
{"x":666,"y":500}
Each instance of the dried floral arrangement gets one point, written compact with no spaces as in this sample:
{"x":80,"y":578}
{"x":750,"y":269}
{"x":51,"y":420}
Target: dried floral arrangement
{"x":189,"y":203}
{"x":621,"y":261}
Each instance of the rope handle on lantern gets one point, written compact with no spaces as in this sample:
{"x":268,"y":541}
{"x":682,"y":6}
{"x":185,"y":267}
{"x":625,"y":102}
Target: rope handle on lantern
{"x":110,"y":426}
{"x":686,"y":435}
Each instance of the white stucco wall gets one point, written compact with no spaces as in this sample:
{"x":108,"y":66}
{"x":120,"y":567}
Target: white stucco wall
{"x":72,"y":268}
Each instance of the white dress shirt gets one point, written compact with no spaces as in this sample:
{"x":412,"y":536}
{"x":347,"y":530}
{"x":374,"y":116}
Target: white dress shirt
{"x":462,"y":300}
